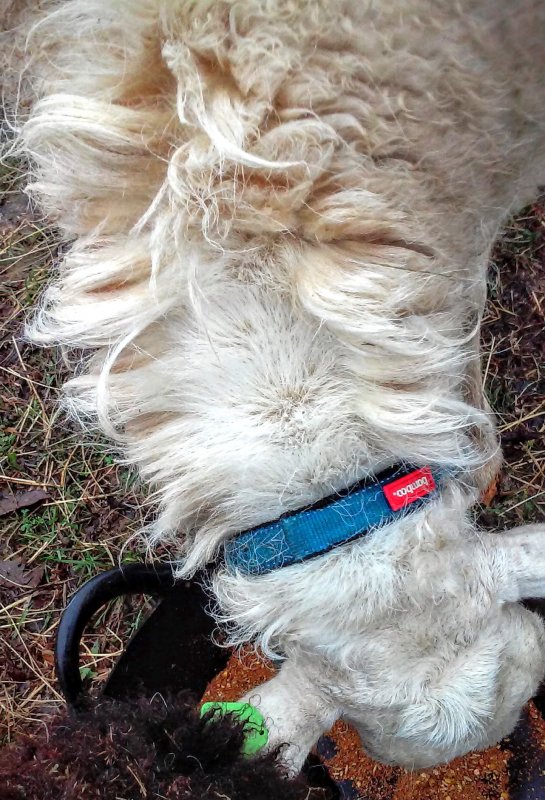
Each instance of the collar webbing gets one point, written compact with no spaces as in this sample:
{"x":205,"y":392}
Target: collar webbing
{"x":312,"y":531}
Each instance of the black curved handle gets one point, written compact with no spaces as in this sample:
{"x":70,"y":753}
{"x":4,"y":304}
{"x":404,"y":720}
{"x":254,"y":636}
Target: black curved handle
{"x":174,"y":649}
{"x":154,"y":579}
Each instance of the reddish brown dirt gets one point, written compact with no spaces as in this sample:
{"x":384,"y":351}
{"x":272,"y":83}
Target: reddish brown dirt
{"x":477,"y":776}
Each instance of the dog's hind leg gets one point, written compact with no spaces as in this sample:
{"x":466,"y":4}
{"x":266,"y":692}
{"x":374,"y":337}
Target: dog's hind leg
{"x":521,"y":556}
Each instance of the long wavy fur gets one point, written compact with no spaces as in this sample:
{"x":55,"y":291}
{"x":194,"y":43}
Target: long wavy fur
{"x":278,"y":216}
{"x":178,"y":145}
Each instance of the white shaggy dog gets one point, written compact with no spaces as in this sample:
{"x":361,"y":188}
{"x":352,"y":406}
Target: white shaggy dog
{"x":279,"y":215}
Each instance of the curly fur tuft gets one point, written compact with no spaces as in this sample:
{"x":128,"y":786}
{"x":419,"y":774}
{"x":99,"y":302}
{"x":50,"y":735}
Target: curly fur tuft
{"x":144,"y":748}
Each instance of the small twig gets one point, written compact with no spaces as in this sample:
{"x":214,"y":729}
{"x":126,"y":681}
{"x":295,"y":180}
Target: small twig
{"x":538,"y":412}
{"x":521,"y":503}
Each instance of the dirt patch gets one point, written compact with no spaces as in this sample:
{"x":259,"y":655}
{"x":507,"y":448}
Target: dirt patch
{"x":512,"y":769}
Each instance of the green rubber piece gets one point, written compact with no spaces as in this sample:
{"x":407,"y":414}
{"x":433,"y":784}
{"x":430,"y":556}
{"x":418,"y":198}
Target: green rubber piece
{"x":256,"y":734}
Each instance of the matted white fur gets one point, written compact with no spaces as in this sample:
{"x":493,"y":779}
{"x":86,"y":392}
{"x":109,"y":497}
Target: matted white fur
{"x":279,"y":215}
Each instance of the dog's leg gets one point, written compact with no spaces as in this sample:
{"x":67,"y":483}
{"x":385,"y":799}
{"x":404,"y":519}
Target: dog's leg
{"x":521,"y":556}
{"x":296,"y":713}
{"x":469,"y":704}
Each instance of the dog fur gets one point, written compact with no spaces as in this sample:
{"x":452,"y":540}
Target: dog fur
{"x":278,"y":217}
{"x":144,"y":747}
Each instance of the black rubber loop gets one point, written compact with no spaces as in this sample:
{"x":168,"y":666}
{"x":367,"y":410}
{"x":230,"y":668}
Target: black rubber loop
{"x":151,"y":579}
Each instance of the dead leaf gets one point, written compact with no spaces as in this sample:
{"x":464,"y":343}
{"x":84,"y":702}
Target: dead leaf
{"x":490,"y":493}
{"x":14,"y":573}
{"x":12,"y":502}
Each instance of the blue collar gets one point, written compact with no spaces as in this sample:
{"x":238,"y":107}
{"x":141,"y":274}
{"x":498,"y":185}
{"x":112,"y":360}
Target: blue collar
{"x":343,"y":517}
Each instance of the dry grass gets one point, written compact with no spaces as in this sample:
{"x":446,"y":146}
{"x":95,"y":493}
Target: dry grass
{"x":514,"y":339}
{"x":92,"y":507}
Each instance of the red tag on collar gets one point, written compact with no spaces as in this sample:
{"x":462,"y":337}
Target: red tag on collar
{"x":404,"y":491}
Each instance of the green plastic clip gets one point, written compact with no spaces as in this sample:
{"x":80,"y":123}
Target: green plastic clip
{"x":256,"y":734}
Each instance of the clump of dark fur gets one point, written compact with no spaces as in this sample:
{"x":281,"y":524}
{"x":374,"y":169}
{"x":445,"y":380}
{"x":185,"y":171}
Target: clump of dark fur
{"x":144,"y":748}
